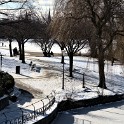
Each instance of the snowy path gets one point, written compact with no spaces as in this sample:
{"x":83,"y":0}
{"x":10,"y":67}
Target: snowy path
{"x":112,"y":113}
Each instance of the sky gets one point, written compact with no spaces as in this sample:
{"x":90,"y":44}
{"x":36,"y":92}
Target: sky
{"x":46,"y":2}
{"x":42,"y":5}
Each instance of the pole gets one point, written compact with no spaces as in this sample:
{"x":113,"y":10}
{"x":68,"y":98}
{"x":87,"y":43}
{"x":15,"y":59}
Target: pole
{"x":34,"y":110}
{"x":83,"y":81}
{"x":1,"y":56}
{"x":22,"y":115}
{"x":5,"y":117}
{"x":43,"y":106}
{"x":63,"y":75}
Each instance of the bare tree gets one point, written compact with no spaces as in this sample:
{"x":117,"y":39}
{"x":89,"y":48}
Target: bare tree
{"x":44,"y":37}
{"x":70,"y":36}
{"x":7,"y":16}
{"x":8,"y":34}
{"x":118,"y":51}
{"x":101,"y":14}
{"x":22,"y":30}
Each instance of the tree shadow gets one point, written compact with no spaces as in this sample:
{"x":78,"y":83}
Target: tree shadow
{"x":25,"y":75}
{"x":64,"y":118}
{"x":13,"y":110}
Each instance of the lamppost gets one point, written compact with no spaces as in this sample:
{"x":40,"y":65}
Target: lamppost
{"x":1,"y":56}
{"x":83,"y":86}
{"x":63,"y":54}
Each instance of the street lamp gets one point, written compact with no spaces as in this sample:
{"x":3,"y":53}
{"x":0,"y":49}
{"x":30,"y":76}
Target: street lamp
{"x":1,"y":56}
{"x":63,"y":54}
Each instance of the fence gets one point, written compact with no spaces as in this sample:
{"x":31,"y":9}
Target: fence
{"x":81,"y":121}
{"x":31,"y":112}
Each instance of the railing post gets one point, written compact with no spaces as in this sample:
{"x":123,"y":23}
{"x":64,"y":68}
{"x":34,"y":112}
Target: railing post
{"x":22,"y":115}
{"x":53,"y":93}
{"x":34,"y":110}
{"x":49,"y":100}
{"x":83,"y":121}
{"x":5,"y":117}
{"x":83,"y":86}
{"x":43,"y":106}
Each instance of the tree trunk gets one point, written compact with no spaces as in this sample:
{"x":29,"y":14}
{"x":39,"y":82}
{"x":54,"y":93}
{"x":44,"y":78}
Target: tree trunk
{"x":109,"y":52}
{"x":71,"y":64}
{"x":102,"y":83}
{"x":20,"y":50}
{"x":101,"y":53}
{"x":93,"y":50}
{"x":62,"y":59}
{"x":23,"y":53}
{"x":10,"y":47}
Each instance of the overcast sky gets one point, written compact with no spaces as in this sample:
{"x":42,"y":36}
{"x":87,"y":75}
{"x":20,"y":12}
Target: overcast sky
{"x":42,"y":5}
{"x":45,"y":5}
{"x":46,"y":2}
{"x":39,"y":3}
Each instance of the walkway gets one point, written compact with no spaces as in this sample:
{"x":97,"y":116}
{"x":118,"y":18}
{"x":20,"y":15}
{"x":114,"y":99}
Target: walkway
{"x":112,"y":113}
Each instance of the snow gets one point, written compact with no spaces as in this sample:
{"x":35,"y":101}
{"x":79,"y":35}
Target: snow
{"x":50,"y":77}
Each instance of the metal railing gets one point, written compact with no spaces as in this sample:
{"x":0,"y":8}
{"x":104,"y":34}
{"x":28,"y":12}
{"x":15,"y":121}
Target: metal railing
{"x":27,"y":114}
{"x":81,"y":121}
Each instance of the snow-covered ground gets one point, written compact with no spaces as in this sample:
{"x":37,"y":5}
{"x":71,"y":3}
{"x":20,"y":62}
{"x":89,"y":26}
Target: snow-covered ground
{"x":51,"y":75}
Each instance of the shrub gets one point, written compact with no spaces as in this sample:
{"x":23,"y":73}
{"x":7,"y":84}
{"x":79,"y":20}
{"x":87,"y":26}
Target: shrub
{"x":1,"y":92}
{"x":6,"y":81}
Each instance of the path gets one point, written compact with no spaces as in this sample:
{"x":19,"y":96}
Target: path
{"x":35,"y":92}
{"x":46,"y":73}
{"x":112,"y":113}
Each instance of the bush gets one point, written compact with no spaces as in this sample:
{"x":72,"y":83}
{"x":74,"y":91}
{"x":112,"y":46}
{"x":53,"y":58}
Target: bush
{"x":6,"y":81}
{"x":1,"y":92}
{"x":13,"y":98}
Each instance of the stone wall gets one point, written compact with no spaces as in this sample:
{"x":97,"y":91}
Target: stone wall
{"x":70,"y":104}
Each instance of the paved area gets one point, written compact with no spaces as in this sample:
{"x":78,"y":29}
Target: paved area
{"x":112,"y":113}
